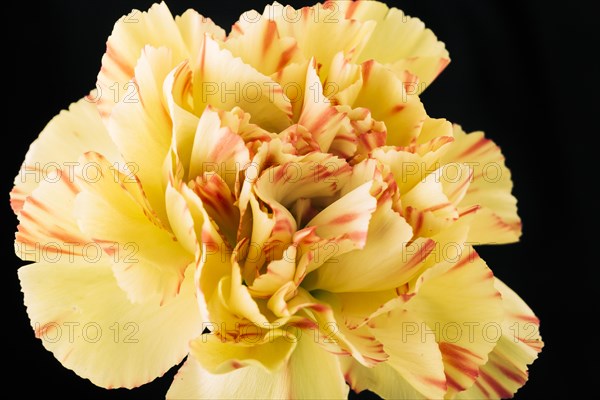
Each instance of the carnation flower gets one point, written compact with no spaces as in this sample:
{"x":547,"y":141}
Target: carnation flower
{"x":276,"y":205}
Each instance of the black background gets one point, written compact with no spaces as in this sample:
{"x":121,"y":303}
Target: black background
{"x":521,"y":71}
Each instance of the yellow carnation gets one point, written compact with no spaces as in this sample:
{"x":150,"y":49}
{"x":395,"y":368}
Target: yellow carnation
{"x":276,"y":205}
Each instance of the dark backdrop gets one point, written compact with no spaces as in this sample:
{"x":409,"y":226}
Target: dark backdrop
{"x":519,"y":71}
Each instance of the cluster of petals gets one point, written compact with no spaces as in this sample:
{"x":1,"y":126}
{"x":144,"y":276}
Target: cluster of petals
{"x":276,"y":205}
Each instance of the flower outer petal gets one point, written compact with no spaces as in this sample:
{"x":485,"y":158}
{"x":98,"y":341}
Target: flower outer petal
{"x":309,"y":25}
{"x":400,"y":41}
{"x":497,"y":221}
{"x":58,"y":147}
{"x":416,"y":358}
{"x":146,"y":258}
{"x":459,"y":303}
{"x":275,"y":52}
{"x":297,"y":379}
{"x":87,"y":322}
{"x":47,"y":227}
{"x":329,"y":330}
{"x":381,"y":379}
{"x":427,"y":207}
{"x":506,"y":369}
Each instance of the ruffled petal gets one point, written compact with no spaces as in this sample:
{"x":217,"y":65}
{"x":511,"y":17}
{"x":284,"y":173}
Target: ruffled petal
{"x":87,"y":322}
{"x":221,"y":80}
{"x":309,"y":25}
{"x":111,"y":209}
{"x":463,"y":311}
{"x":57,"y":149}
{"x":506,"y":369}
{"x":381,"y":379}
{"x":415,"y":357}
{"x":388,"y":259}
{"x":155,"y":27}
{"x":48,"y":230}
{"x":400,"y":41}
{"x":297,"y":379}
{"x":269,"y":351}
{"x":402,"y":112}
{"x":497,"y":220}
{"x":142,"y":128}
{"x":275,"y":51}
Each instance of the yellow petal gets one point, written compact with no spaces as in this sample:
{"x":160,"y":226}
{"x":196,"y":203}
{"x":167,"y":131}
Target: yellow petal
{"x":318,"y":115}
{"x":387,"y":98}
{"x":214,"y":270}
{"x":329,"y":330}
{"x":298,"y":379}
{"x":450,"y":246}
{"x":274,"y":53}
{"x":411,"y":164}
{"x":218,"y":201}
{"x":85,"y":319}
{"x":223,"y":81}
{"x":386,"y":261}
{"x":463,"y":311}
{"x":58,"y":148}
{"x":239,"y":121}
{"x":239,"y":300}
{"x":292,"y":79}
{"x":192,"y":27}
{"x":147,"y":261}
{"x":310,"y":25}
{"x":357,"y":308}
{"x":368,"y":134}
{"x":357,"y":341}
{"x":308,"y":382}
{"x":182,"y":221}
{"x":278,"y":273}
{"x":348,"y":217}
{"x":414,"y":356}
{"x":269,"y":352}
{"x":316,"y":175}
{"x":497,"y":220}
{"x":132,"y":33}
{"x":506,"y":369}
{"x":398,"y":40}
{"x":217,"y":150}
{"x":433,"y":128}
{"x":262,"y":227}
{"x":48,"y":230}
{"x":345,"y":79}
{"x":381,"y":379}
{"x":185,"y":122}
{"x":141,"y":129}
{"x":194,"y":382}
{"x":266,"y":154}
{"x":204,"y":230}
{"x":213,"y":259}
{"x":427,"y":206}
